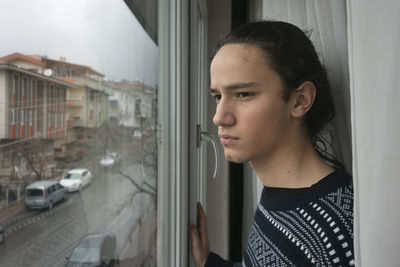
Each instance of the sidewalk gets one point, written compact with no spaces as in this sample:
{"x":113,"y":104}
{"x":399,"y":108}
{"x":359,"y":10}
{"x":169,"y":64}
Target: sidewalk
{"x":11,"y":210}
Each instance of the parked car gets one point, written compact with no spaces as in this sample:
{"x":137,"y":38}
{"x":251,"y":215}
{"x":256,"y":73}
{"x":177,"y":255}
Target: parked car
{"x":137,"y":133}
{"x":110,"y":160}
{"x":1,"y":233}
{"x":94,"y":250}
{"x":43,"y":194}
{"x":76,"y":179}
{"x":107,"y":161}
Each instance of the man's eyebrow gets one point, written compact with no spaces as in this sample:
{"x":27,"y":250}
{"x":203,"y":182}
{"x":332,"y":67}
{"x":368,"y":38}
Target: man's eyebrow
{"x":236,"y":86}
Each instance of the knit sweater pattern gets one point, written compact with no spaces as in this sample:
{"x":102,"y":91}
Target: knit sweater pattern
{"x":315,"y":229}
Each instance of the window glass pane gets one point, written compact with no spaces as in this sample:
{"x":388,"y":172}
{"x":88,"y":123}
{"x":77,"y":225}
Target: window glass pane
{"x":78,"y":106}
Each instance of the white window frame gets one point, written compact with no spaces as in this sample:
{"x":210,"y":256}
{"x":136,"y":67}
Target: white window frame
{"x":179,"y":184}
{"x":198,"y":109}
{"x":173,"y":132}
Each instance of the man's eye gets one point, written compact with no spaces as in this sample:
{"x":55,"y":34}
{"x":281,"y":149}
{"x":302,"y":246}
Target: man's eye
{"x":243,"y":94}
{"x":217,"y":97}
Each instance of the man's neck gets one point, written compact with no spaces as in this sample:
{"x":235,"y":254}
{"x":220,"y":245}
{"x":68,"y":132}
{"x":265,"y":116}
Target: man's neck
{"x":294,"y":166}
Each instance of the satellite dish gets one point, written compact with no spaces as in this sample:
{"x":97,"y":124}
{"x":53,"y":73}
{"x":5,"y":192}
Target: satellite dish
{"x":48,"y":72}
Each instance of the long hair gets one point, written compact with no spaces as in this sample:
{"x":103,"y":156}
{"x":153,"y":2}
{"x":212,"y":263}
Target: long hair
{"x":291,"y":54}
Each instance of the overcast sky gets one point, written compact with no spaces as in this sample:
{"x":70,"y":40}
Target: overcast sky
{"x":102,"y":34}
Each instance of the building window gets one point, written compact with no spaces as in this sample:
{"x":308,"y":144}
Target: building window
{"x":22,"y":125}
{"x":14,"y":91}
{"x":50,"y":92}
{"x":24,"y":91}
{"x":13,"y":121}
{"x":32,"y":94}
{"x":92,"y":95}
{"x":138,"y":103}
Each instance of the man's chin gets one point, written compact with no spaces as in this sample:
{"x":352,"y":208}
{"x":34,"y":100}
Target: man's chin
{"x":234,"y":158}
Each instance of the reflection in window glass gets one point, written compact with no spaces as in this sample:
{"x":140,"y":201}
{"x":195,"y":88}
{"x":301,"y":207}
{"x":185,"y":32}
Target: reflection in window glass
{"x":78,"y":105}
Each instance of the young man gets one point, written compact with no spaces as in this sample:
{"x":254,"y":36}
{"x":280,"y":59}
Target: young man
{"x":273,"y":101}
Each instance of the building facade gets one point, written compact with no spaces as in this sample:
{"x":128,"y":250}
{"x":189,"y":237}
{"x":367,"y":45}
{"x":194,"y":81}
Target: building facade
{"x":71,"y":100}
{"x":131,"y":103}
{"x":33,"y":104}
{"x":87,"y":102}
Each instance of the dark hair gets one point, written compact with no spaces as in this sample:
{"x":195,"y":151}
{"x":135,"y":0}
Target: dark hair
{"x":292,"y":55}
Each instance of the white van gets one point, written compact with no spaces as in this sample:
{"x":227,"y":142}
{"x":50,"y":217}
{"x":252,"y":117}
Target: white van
{"x":43,"y":194}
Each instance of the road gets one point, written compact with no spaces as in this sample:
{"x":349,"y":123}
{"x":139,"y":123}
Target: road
{"x":44,"y":238}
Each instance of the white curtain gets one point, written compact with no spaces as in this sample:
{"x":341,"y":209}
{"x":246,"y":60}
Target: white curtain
{"x":326,"y":23}
{"x":374,"y":43}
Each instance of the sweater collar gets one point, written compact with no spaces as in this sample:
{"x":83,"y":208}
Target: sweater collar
{"x":289,"y":198}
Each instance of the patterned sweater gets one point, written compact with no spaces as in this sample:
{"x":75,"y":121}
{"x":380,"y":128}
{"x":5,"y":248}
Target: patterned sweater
{"x":301,"y":227}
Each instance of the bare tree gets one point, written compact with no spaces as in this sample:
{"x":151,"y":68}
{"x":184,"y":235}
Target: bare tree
{"x":29,"y":152}
{"x":149,"y":148}
{"x":148,"y":162}
{"x":140,"y":188}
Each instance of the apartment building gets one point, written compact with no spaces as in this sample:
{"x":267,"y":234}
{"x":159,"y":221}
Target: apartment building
{"x":131,"y":103}
{"x":32,"y":105}
{"x":87,"y":102}
{"x":73,"y":112}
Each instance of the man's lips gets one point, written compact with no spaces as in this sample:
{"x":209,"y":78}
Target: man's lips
{"x":227,"y":139}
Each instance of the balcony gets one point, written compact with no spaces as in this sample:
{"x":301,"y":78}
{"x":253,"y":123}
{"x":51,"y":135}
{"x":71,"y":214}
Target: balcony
{"x":75,"y":123}
{"x":92,"y":84}
{"x":75,"y":101}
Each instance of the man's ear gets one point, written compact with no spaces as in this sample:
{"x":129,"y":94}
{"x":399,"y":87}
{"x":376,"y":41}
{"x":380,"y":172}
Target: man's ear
{"x":302,"y":99}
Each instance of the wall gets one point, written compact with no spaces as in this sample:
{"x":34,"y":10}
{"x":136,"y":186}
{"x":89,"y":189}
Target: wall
{"x":3,"y":104}
{"x":27,"y":65}
{"x":75,"y":94}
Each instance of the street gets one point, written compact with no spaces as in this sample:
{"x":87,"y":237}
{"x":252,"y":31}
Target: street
{"x":44,"y":238}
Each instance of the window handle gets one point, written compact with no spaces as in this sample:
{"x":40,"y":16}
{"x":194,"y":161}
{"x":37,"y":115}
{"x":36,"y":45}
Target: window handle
{"x":208,"y":137}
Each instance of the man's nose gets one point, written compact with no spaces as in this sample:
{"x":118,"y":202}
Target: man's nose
{"x":224,"y":115}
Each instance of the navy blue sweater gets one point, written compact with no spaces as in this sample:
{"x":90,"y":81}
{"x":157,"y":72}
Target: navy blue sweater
{"x":301,"y":227}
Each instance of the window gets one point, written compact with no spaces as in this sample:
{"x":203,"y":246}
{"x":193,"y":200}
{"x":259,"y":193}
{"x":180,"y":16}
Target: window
{"x":137,"y":107}
{"x":49,"y":190}
{"x":32,"y":91}
{"x":50,"y":93}
{"x":24,"y":91}
{"x":92,"y":95}
{"x":14,"y":94}
{"x":83,"y":53}
{"x":52,"y":189}
{"x":34,"y":192}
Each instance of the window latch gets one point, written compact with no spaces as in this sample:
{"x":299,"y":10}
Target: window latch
{"x":209,"y":138}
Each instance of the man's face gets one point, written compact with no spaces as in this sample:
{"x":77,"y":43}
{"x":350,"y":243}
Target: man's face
{"x":251,"y":116}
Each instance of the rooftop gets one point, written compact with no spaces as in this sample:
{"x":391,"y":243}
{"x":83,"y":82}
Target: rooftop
{"x":17,"y":55}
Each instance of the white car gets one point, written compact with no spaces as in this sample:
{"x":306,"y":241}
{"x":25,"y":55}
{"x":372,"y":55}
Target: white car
{"x":110,"y":160}
{"x":76,"y":179}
